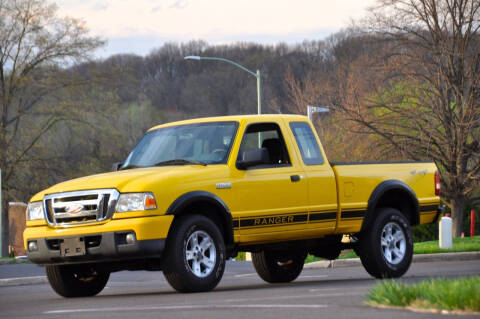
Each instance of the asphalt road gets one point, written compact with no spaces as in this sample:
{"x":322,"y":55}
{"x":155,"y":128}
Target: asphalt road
{"x":317,"y":293}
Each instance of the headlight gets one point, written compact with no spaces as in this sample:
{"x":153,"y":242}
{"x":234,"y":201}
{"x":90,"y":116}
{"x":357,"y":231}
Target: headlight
{"x":132,"y":202}
{"x":35,"y":211}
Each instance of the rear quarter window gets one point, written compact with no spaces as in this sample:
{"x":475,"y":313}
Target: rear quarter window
{"x":307,"y":143}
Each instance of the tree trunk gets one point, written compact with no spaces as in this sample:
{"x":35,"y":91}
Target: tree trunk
{"x":458,"y":209}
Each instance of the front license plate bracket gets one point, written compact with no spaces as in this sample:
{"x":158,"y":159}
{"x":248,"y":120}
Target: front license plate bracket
{"x":74,"y":246}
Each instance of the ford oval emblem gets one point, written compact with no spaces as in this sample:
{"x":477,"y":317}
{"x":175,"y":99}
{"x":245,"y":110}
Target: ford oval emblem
{"x":73,"y":208}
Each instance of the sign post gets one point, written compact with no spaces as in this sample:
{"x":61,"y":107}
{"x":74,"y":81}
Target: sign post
{"x":316,"y":109}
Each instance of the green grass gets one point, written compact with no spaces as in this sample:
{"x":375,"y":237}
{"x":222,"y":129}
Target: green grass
{"x":459,"y":245}
{"x":426,"y":247}
{"x":9,"y":259}
{"x":345,"y":254}
{"x":240,"y":256}
{"x":439,"y":294}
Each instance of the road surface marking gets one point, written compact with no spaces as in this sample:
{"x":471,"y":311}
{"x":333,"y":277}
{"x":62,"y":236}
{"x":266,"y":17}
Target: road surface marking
{"x":295,"y":297}
{"x":180,"y":307}
{"x":342,"y":288}
{"x":255,"y":274}
{"x":245,"y":275}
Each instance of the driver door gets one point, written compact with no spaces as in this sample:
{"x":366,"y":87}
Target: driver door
{"x":270,"y":197}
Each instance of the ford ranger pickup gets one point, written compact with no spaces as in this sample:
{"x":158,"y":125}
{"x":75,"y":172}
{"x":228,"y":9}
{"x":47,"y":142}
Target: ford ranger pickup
{"x":194,"y":193}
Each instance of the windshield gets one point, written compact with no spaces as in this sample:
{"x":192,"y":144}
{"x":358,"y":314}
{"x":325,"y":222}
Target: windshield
{"x":203,"y":143}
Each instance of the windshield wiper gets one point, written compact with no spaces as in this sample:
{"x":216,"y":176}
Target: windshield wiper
{"x":179,"y":161}
{"x":129,"y":167}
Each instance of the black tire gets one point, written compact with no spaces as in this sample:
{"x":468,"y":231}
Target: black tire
{"x":391,"y":225}
{"x":192,"y":273}
{"x":278,"y":266}
{"x":76,"y":280}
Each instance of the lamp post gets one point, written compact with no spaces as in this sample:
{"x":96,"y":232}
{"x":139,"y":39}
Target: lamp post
{"x":316,"y":109}
{"x":257,"y":75}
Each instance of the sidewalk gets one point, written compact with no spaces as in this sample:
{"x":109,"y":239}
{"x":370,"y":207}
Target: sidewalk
{"x":420,"y":258}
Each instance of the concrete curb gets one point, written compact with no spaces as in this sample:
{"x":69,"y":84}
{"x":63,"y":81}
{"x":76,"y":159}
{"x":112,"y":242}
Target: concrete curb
{"x":353,"y":262}
{"x":17,"y":260}
{"x":23,"y":281}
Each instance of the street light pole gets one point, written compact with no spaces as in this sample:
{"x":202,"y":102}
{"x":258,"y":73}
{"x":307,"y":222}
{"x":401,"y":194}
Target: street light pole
{"x":256,"y":75}
{"x":259,"y":93}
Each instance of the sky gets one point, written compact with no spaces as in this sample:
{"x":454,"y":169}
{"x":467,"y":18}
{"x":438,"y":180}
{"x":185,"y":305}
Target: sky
{"x":138,"y":26}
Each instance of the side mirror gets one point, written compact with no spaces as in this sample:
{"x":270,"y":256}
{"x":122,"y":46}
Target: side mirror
{"x":116,"y":166}
{"x":254,"y":157}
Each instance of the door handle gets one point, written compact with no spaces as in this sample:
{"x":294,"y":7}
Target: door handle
{"x":295,"y":178}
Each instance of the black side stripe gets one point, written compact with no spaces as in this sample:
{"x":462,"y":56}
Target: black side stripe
{"x":302,"y":218}
{"x":428,"y":208}
{"x":354,"y":214}
{"x":276,"y":220}
{"x":320,"y":216}
{"x":235,"y":223}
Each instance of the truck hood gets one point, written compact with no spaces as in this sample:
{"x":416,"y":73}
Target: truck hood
{"x":131,"y":180}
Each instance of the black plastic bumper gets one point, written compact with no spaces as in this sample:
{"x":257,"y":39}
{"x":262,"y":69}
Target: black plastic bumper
{"x":98,"y":248}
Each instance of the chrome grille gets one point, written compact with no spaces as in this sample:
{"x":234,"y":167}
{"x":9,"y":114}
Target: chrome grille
{"x":80,"y":207}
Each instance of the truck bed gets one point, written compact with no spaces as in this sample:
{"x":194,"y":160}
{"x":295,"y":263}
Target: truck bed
{"x":357,"y":181}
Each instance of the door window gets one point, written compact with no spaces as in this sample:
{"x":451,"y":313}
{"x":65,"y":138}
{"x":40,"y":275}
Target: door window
{"x":269,"y":136}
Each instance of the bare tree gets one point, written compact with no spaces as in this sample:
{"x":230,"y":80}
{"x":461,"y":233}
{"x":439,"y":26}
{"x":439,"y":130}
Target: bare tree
{"x":424,"y":91}
{"x":341,"y":140}
{"x":34,"y":42}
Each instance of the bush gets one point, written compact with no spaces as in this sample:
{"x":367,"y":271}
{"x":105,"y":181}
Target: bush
{"x":427,"y":232}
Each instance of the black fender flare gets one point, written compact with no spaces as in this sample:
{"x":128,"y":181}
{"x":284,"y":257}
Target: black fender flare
{"x":378,"y":193}
{"x":202,"y":196}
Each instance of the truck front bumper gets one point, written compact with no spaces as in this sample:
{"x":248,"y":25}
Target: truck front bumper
{"x":98,"y":243}
{"x":98,"y":248}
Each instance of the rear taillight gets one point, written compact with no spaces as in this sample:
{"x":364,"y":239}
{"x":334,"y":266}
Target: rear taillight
{"x":437,"y":183}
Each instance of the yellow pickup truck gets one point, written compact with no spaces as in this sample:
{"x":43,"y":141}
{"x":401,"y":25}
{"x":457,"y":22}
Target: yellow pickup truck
{"x":194,"y":193}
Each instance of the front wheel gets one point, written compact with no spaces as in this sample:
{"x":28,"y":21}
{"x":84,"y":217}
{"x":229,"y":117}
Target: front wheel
{"x":386,"y":248}
{"x":278,"y":266}
{"x":76,"y":280}
{"x":195,"y":256}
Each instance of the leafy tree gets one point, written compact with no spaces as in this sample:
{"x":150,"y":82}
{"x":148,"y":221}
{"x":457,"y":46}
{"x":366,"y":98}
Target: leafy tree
{"x":34,"y":42}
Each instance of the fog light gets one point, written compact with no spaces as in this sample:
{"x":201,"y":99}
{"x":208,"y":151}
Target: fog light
{"x":32,"y":246}
{"x":130,"y":238}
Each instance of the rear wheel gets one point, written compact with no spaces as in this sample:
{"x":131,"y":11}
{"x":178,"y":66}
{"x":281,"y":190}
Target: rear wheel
{"x":195,"y":256}
{"x":278,"y":266}
{"x":76,"y":280}
{"x":386,"y":248}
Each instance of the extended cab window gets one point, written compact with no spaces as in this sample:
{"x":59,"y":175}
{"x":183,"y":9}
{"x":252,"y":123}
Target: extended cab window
{"x":268,"y":136}
{"x":307,"y":143}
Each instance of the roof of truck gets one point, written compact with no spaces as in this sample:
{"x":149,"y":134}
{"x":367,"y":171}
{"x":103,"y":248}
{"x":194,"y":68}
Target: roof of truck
{"x":237,"y":118}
